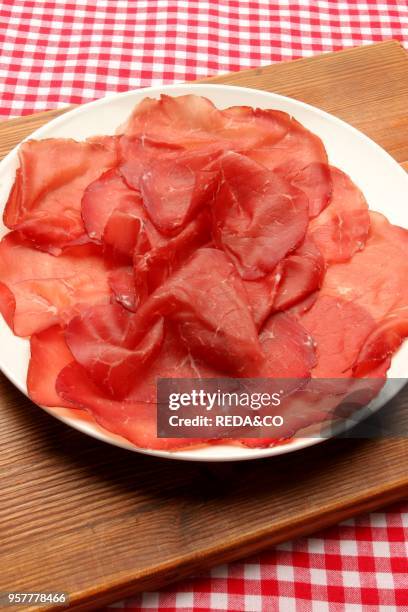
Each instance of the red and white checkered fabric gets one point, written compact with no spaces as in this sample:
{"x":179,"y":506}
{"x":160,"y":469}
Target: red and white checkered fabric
{"x":56,"y":52}
{"x":358,"y":566}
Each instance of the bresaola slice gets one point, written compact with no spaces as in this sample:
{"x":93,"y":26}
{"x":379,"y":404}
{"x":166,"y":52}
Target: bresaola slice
{"x":261,"y":294}
{"x":339,"y":329}
{"x":258,"y":216}
{"x":134,"y":418}
{"x":102,"y":197}
{"x":375,"y":280}
{"x":302,"y":274}
{"x":112,"y":346}
{"x":245,"y":127}
{"x":45,"y":202}
{"x":207,"y":301}
{"x":38,"y":290}
{"x":315,"y":180}
{"x":281,"y":336}
{"x":187,"y":120}
{"x":297,"y":149}
{"x":175,"y":188}
{"x":49,"y":355}
{"x":114,"y":216}
{"x":294,"y":280}
{"x":137,"y":152}
{"x":154,"y":267}
{"x":342,"y":228}
{"x":122,"y":283}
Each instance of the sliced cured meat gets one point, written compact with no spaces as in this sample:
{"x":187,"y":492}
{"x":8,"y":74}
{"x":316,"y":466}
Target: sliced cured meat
{"x":304,"y":305}
{"x":315,"y":180}
{"x":45,"y":201}
{"x":122,"y":284}
{"x":115,"y":216}
{"x":297,"y":149}
{"x":207,"y":300}
{"x":136,"y":153}
{"x":342,"y":228}
{"x":49,"y":355}
{"x":283,"y":336}
{"x":38,"y":289}
{"x":245,"y":127}
{"x":339,"y":329}
{"x":104,"y":195}
{"x":374,"y":280}
{"x":300,"y":157}
{"x":302,"y":273}
{"x":194,"y":121}
{"x":382,"y":343}
{"x":125,"y":234}
{"x":183,"y":120}
{"x":133,"y":420}
{"x":106,"y":341}
{"x":135,"y":417}
{"x":175,"y":188}
{"x":261,"y":295}
{"x":153,"y":267}
{"x":258,"y":216}
{"x":298,"y":276}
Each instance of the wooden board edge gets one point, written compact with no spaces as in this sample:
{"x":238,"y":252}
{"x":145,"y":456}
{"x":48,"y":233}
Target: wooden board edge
{"x":174,"y":571}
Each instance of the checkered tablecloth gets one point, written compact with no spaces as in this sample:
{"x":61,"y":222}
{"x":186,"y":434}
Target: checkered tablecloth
{"x":358,"y":566}
{"x":57,"y":52}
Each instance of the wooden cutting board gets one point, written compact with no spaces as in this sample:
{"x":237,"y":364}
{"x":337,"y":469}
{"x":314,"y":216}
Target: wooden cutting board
{"x":101,"y":523}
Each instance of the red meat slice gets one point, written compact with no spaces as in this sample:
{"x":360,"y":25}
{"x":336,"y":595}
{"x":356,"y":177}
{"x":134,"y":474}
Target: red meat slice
{"x":183,"y":120}
{"x":382,"y":343}
{"x":261,"y":295}
{"x":175,"y":188}
{"x":258,"y":216}
{"x":45,"y":202}
{"x":375,"y":280}
{"x":135,"y":417}
{"x":342,"y":228}
{"x":152,"y":268}
{"x":339,"y":328}
{"x":194,"y":121}
{"x":38,"y":289}
{"x":283,"y":336}
{"x":112,"y":347}
{"x":297,"y":277}
{"x":122,"y":284}
{"x":114,"y":215}
{"x":49,"y":355}
{"x":302,"y":274}
{"x":104,"y":195}
{"x":244,"y":127}
{"x":297,"y":149}
{"x":301,"y":158}
{"x":136,"y":153}
{"x":207,"y":300}
{"x":315,"y":181}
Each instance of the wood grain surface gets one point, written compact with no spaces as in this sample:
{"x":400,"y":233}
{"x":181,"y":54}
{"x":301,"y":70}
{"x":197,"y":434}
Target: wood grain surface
{"x":101,"y":523}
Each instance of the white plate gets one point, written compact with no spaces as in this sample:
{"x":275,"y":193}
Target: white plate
{"x":383,"y":181}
